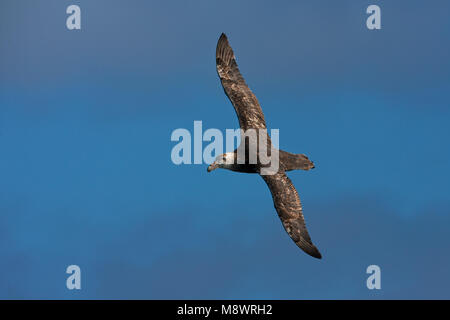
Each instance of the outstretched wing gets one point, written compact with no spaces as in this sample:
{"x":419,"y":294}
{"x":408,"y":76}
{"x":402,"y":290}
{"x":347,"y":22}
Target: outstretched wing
{"x":287,"y":203}
{"x":244,"y":101}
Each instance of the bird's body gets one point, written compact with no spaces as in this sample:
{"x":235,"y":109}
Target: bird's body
{"x":247,"y":159}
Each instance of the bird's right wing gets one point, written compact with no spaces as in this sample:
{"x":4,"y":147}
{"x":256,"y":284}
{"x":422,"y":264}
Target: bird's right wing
{"x":289,"y":209}
{"x":244,"y":101}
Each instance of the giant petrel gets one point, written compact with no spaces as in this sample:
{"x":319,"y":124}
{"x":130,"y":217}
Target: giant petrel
{"x":285,"y":196}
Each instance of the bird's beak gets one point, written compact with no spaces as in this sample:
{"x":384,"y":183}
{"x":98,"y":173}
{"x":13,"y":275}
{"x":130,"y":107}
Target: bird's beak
{"x":212,"y":167}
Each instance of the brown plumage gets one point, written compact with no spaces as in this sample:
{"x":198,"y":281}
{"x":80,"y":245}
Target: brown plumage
{"x":285,"y":196}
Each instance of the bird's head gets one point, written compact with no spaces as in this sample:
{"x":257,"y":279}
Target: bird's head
{"x":225,"y":160}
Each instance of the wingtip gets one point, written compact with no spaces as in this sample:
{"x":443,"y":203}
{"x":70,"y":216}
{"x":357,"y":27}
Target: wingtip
{"x":314,"y":253}
{"x":224,"y":53}
{"x":223,"y":40}
{"x":309,"y":248}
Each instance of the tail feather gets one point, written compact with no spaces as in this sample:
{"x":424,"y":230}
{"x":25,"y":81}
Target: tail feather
{"x":291,"y":161}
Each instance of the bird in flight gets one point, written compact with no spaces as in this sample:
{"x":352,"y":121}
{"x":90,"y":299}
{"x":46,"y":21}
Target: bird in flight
{"x":285,"y":196}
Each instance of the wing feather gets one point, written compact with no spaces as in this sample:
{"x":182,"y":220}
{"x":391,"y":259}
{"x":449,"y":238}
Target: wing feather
{"x":289,"y":209}
{"x":244,"y":101}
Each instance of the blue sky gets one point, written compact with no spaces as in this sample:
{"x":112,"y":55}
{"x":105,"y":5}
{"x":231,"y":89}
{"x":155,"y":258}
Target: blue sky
{"x":86,"y":176}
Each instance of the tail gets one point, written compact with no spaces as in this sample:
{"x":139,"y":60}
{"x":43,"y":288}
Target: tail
{"x":291,"y":161}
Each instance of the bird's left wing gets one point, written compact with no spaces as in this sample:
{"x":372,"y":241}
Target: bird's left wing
{"x":289,"y":209}
{"x":244,"y":101}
